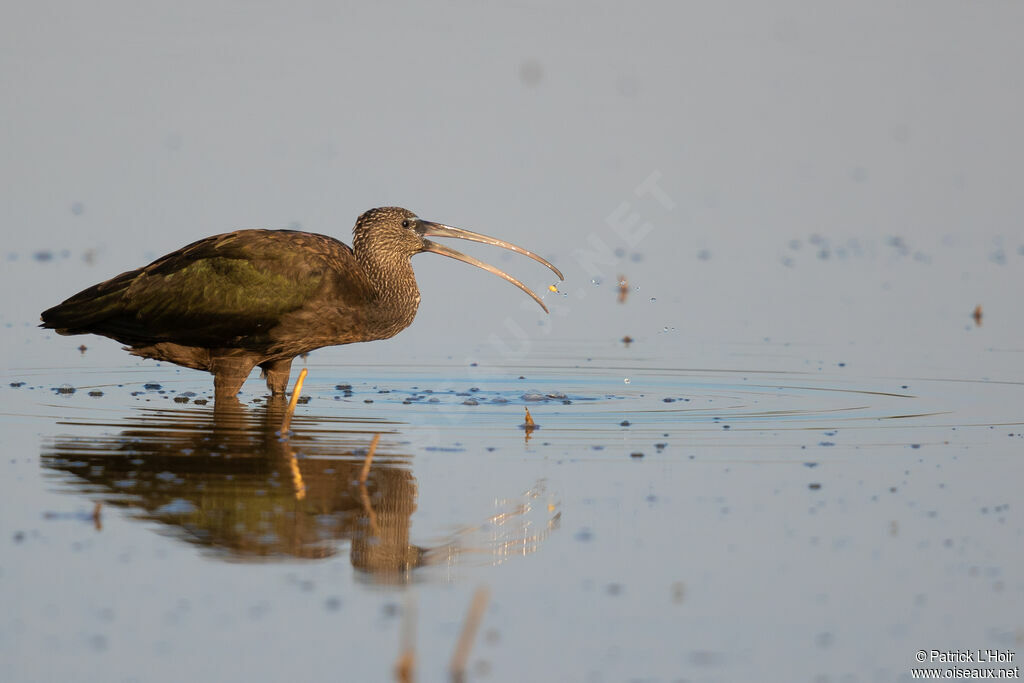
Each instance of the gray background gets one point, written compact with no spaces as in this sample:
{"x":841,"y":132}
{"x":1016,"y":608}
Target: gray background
{"x":891,"y":131}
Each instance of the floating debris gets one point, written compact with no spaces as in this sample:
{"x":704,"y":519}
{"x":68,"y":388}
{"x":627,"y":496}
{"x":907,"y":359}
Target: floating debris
{"x":82,"y":349}
{"x":152,"y":386}
{"x":623,"y":289}
{"x":627,"y":340}
{"x":64,"y":389}
{"x":636,"y":454}
{"x":977,"y":315}
{"x":95,"y":393}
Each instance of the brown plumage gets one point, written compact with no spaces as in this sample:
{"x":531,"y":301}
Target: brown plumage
{"x":249,"y":298}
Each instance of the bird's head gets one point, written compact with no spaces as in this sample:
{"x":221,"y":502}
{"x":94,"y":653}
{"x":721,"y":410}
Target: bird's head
{"x":394,"y":232}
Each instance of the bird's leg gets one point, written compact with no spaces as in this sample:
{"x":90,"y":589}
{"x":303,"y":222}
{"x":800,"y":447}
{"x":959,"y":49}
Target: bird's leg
{"x":277,"y":372}
{"x":229,"y":373}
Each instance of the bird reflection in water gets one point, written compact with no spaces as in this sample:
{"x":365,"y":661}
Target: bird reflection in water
{"x":227,"y":481}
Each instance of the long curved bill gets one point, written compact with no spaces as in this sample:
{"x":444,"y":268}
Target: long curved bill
{"x":429,"y":229}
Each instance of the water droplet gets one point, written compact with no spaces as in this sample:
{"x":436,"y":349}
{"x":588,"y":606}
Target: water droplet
{"x":596,"y":282}
{"x":664,"y":329}
{"x":625,"y":380}
{"x":653,"y":299}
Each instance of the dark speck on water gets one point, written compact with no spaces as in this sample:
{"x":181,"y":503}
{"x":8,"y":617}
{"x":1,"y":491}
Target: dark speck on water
{"x":17,"y":384}
{"x":64,"y":389}
{"x":814,"y":487}
{"x":96,"y":393}
{"x":151,"y":386}
{"x":624,"y":423}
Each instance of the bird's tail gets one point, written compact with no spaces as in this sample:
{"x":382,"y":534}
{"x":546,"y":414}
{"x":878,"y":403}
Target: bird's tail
{"x":87,"y":311}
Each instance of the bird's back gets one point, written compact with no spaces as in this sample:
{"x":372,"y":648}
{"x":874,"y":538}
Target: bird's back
{"x":219,"y":291}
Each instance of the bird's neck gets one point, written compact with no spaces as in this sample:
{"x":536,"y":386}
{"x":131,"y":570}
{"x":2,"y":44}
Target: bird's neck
{"x":394,"y":286}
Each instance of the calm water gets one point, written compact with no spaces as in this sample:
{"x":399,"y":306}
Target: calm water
{"x":642,"y":531}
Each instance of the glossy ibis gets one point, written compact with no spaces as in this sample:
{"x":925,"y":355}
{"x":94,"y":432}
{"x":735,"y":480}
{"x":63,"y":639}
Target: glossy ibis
{"x":231,"y":302}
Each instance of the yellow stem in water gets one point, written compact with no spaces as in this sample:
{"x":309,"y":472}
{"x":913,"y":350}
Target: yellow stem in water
{"x":295,"y":399}
{"x":369,"y":459}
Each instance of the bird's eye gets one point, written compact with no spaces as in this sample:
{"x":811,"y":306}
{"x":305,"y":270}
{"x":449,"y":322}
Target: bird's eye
{"x":405,"y":223}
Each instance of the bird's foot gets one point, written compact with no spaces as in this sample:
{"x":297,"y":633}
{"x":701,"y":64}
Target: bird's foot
{"x":277,"y":373}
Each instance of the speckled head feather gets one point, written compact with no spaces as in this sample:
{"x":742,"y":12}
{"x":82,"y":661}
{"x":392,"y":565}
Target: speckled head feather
{"x":387,"y":231}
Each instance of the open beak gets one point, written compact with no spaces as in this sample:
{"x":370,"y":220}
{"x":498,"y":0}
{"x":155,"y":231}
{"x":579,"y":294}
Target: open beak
{"x":428,"y":229}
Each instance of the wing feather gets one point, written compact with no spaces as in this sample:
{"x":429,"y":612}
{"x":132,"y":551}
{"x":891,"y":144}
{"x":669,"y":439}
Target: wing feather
{"x":218,"y":291}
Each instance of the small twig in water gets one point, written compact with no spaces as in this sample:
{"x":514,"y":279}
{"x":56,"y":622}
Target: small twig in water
{"x":405,"y":667}
{"x":295,"y":399}
{"x":468,"y":635}
{"x":369,"y":459}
